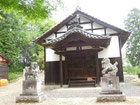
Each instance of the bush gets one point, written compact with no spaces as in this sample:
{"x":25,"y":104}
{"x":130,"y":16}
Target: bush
{"x":132,"y":70}
{"x":13,"y":76}
{"x":138,"y":74}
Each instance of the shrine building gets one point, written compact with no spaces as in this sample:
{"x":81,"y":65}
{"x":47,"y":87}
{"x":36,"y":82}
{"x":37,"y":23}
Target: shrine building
{"x":74,"y":48}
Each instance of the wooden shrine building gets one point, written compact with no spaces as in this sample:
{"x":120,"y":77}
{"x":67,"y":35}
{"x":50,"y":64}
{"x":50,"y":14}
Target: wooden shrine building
{"x":74,"y":48}
{"x":4,"y":66}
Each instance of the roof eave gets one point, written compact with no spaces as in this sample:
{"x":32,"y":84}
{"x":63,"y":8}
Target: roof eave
{"x":8,"y":60}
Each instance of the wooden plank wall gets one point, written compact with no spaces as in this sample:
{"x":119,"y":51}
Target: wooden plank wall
{"x":52,"y":72}
{"x":3,"y":70}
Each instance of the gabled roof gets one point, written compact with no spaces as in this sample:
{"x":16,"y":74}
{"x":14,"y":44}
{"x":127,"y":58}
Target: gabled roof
{"x":76,"y":30}
{"x":7,"y":59}
{"x":122,"y":33}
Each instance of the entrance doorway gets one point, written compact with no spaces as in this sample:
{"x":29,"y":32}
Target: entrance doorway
{"x":81,"y":66}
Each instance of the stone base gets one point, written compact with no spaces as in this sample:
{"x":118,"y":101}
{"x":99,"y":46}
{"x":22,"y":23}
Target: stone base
{"x":111,"y":98}
{"x":111,"y":92}
{"x":30,"y":98}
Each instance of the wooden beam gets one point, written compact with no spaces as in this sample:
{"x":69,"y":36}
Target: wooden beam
{"x":79,"y":20}
{"x":61,"y":32}
{"x":97,"y":68}
{"x":92,"y":26}
{"x":88,"y":51}
{"x":105,"y":30}
{"x":61,"y":71}
{"x":67,"y":26}
{"x":55,"y":35}
{"x":45,"y":72}
{"x":94,"y":29}
{"x":115,"y":34}
{"x":121,"y":72}
{"x":66,"y":75}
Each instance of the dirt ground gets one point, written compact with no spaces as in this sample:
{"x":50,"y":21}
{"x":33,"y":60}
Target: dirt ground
{"x":65,"y":96}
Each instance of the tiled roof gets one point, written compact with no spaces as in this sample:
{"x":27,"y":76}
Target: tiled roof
{"x":77,"y":30}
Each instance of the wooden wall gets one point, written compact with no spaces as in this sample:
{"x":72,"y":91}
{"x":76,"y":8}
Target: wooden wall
{"x":52,"y":72}
{"x":3,"y":70}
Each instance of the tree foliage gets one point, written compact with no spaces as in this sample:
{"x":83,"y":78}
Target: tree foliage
{"x":30,"y":9}
{"x":16,"y":40}
{"x":132,"y":24}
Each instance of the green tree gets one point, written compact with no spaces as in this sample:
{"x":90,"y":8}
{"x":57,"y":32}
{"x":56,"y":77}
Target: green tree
{"x":40,"y":29}
{"x":132,"y":24}
{"x":31,"y":9}
{"x":16,"y":40}
{"x":11,"y":35}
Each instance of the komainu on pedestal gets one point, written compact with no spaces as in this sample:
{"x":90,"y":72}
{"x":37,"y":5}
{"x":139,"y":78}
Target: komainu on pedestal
{"x":31,"y":88}
{"x":110,"y":83}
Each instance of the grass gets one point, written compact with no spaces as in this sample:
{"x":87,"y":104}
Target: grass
{"x":131,"y":70}
{"x":13,"y":76}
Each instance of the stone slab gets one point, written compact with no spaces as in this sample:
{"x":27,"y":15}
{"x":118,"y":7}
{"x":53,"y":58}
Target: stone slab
{"x":110,"y":92}
{"x":32,"y":99}
{"x":111,"y":98}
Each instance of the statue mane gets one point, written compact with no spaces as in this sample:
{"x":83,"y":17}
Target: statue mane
{"x":108,"y":68}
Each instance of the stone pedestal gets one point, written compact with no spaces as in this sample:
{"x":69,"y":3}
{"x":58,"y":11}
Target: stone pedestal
{"x":110,"y":90}
{"x":110,"y":85}
{"x":31,"y":91}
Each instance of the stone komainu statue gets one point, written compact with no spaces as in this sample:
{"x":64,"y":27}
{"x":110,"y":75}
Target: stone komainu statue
{"x":108,"y":68}
{"x":32,"y":71}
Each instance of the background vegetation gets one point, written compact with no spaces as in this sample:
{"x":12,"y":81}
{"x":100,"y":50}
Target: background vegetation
{"x":21,"y":21}
{"x":132,"y":24}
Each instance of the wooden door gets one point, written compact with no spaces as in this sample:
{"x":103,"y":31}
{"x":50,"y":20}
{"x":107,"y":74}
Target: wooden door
{"x":81,"y":66}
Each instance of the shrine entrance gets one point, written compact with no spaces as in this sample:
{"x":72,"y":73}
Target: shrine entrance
{"x":81,"y":66}
{"x":81,"y":70}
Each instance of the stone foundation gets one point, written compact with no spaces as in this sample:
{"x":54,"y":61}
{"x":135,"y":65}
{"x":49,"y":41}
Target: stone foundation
{"x":29,"y":98}
{"x":111,"y":98}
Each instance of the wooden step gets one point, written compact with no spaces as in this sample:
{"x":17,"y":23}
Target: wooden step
{"x":81,"y":83}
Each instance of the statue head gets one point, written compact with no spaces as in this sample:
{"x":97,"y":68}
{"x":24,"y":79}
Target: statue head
{"x":34,"y":65}
{"x":105,"y":61}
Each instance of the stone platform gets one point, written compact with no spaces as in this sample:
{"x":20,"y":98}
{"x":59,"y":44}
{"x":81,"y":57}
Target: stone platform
{"x":29,"y":98}
{"x":111,"y":97}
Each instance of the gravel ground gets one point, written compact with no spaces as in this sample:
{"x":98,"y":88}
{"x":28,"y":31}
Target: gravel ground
{"x":68,"y":96}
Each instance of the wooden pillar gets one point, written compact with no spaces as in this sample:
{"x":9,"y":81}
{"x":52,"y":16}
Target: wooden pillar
{"x":121,"y":66}
{"x":45,"y":72}
{"x":61,"y":71}
{"x":105,"y":30}
{"x":92,"y":26}
{"x":66,"y":71}
{"x":97,"y":68}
